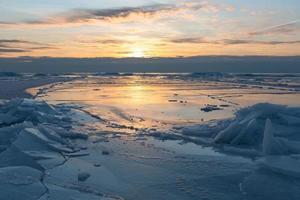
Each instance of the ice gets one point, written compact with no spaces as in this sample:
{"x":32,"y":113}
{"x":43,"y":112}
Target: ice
{"x":210,"y":108}
{"x":253,"y":126}
{"x":277,"y":146}
{"x":35,"y":134}
{"x":282,"y":164}
{"x":261,"y":129}
{"x":61,"y":193}
{"x":245,"y":135}
{"x":44,"y":154}
{"x":83,"y":176}
{"x":15,"y":157}
{"x":268,"y":141}
{"x":228,"y":134}
{"x":68,"y":165}
{"x":263,"y":184}
{"x":247,"y":152}
{"x":292,"y":146}
{"x":35,"y":139}
{"x":290,"y":120}
{"x":9,"y":133}
{"x":20,"y":183}
{"x":99,"y":179}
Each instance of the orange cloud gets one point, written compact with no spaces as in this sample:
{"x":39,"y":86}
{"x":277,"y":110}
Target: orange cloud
{"x":119,"y":15}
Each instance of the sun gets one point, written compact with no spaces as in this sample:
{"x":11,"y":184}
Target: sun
{"x":137,"y":53}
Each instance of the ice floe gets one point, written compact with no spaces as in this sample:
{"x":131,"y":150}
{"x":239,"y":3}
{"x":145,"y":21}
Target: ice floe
{"x":35,"y":138}
{"x":270,"y":129}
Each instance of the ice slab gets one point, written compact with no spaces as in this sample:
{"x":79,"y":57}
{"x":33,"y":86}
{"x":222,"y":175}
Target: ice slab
{"x":271,"y":129}
{"x":20,"y":183}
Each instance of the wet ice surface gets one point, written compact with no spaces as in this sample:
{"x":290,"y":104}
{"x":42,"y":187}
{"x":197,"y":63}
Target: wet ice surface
{"x":154,"y":137}
{"x":156,"y":100}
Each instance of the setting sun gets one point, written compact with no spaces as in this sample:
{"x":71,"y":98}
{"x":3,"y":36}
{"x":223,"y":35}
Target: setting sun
{"x":137,"y":53}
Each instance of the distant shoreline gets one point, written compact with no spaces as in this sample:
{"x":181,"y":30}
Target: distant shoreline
{"x":227,"y":64}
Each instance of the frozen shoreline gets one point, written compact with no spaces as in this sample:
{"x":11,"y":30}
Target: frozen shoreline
{"x":16,"y":88}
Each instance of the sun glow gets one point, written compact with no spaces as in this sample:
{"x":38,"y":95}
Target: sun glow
{"x":137,"y":53}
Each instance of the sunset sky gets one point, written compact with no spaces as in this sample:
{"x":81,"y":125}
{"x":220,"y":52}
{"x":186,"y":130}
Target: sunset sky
{"x":149,"y":28}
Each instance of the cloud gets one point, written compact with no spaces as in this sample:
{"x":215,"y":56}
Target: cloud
{"x":87,"y":15}
{"x":105,"y":41}
{"x":190,"y":40}
{"x":12,"y":50}
{"x":233,"y":42}
{"x":279,"y":29}
{"x":122,"y":14}
{"x":200,"y":40}
{"x":19,"y":46}
{"x":5,"y":42}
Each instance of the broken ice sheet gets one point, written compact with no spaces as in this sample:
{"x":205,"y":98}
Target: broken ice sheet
{"x":20,"y":182}
{"x":31,"y":144}
{"x":46,"y":144}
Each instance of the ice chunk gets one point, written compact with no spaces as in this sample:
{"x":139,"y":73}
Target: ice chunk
{"x":242,"y":138}
{"x":268,"y":138}
{"x":32,"y":132}
{"x":210,"y":108}
{"x":69,"y":134}
{"x":38,"y":151}
{"x":229,"y":133}
{"x":105,"y":152}
{"x":51,"y":134}
{"x":272,"y":128}
{"x":9,"y":133}
{"x":14,"y":157}
{"x":39,"y":105}
{"x":20,"y":183}
{"x":271,"y":145}
{"x":83,"y":176}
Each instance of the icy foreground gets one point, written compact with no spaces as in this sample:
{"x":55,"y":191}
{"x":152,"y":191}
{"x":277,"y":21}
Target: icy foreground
{"x":34,"y":138}
{"x":269,"y":129}
{"x":266,"y":131}
{"x":41,"y":158}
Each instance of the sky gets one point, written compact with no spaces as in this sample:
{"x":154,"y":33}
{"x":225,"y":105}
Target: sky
{"x":149,"y":28}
